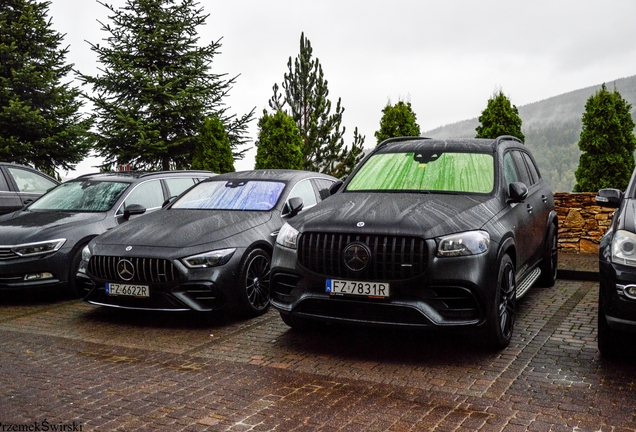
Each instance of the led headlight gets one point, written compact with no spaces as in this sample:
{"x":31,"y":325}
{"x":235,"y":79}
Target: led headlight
{"x":624,"y":248}
{"x":287,"y":236}
{"x":461,"y":244}
{"x":209,"y":259}
{"x":38,"y":248}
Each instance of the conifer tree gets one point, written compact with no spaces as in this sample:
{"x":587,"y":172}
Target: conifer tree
{"x":40,"y":119}
{"x":279,"y":144}
{"x":499,"y":117}
{"x":397,"y":120}
{"x":213,"y":151}
{"x":607,"y":142}
{"x":306,"y":100}
{"x":156,"y":87}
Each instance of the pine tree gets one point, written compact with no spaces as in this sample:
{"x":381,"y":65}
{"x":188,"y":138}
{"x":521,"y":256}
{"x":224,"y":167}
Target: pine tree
{"x":306,"y":97}
{"x":156,"y":87}
{"x":607,"y":142}
{"x":397,"y":120}
{"x":499,"y":118}
{"x":279,"y":144}
{"x":213,"y":151}
{"x":40,"y":119}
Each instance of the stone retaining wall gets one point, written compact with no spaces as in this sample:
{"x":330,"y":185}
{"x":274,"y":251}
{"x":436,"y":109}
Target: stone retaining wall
{"x":581,"y":221}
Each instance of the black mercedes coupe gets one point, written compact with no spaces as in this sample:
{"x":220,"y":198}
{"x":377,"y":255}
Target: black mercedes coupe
{"x":208,"y":250}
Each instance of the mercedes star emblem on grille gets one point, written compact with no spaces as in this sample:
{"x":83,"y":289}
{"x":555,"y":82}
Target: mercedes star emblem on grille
{"x":357,"y":256}
{"x":125,"y":269}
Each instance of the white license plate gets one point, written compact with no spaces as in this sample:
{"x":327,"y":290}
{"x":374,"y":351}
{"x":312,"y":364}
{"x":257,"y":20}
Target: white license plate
{"x":128,"y":290}
{"x":366,"y":289}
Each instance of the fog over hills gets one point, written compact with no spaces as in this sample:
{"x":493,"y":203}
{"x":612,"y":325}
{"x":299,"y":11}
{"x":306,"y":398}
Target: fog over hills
{"x":552,"y":128}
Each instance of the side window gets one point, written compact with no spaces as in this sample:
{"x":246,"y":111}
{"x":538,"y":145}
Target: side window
{"x":28,"y":181}
{"x":148,"y":194}
{"x":510,"y":172}
{"x":323,"y":185}
{"x":304,"y":190}
{"x":3,"y":183}
{"x":178,"y":185}
{"x":532,"y":167}
{"x":524,"y":175}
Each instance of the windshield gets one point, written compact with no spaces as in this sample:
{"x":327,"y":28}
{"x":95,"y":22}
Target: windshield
{"x":422,"y":171}
{"x":232,"y":195}
{"x":81,"y":196}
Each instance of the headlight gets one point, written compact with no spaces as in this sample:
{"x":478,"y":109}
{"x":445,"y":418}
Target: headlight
{"x":466,"y":243}
{"x":86,"y":257}
{"x":39,"y":248}
{"x":624,"y":248}
{"x":209,"y":259}
{"x":287,"y":236}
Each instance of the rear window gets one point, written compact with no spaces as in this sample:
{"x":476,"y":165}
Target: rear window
{"x":426,"y":171}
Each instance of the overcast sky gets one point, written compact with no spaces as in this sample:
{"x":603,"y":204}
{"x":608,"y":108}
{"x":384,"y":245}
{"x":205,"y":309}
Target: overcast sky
{"x":446,"y":57}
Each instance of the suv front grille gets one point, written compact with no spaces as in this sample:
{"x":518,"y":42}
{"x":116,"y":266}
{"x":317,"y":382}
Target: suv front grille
{"x":146,"y":270}
{"x":392,"y":257}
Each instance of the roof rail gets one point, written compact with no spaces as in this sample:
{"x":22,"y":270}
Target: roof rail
{"x":404,"y":138}
{"x":507,"y":138}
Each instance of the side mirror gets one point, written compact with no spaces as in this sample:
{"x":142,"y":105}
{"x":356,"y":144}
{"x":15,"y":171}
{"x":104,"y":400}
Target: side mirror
{"x":133,"y":209}
{"x":294,"y":206}
{"x":517,"y":192}
{"x":609,"y":198}
{"x":335,"y":187}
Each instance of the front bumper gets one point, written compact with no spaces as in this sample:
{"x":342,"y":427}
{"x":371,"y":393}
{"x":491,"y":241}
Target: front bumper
{"x":49,"y":271}
{"x":619,"y":309}
{"x":451,"y":293}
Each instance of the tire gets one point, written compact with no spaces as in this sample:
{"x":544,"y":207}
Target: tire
{"x":501,"y":322}
{"x":254,"y":283}
{"x":609,"y":342}
{"x":72,"y":290}
{"x":550,"y":262}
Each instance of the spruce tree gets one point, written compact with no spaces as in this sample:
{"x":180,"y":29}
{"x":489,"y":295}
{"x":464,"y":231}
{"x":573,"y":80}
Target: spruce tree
{"x":499,"y":117}
{"x":306,"y":100}
{"x":607,"y":142}
{"x":40,"y":119}
{"x":213,"y":151}
{"x":397,"y":120}
{"x":156,"y":86}
{"x":279,"y":144}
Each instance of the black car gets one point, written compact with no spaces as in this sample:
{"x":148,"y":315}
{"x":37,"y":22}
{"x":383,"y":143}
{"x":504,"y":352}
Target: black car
{"x":40,"y":245}
{"x":19,"y":185}
{"x":617,"y":271}
{"x":423,"y":234}
{"x":208,"y":250}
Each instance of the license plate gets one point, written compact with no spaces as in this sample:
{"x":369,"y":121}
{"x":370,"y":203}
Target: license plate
{"x":114,"y":289}
{"x":366,"y":289}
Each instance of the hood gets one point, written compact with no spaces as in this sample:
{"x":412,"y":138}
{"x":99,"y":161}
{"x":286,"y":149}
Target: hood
{"x":415,"y":214}
{"x":28,"y":226}
{"x":183,"y":228}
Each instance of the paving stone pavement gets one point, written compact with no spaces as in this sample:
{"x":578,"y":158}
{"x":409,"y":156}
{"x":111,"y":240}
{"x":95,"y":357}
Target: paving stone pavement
{"x":72,"y":366}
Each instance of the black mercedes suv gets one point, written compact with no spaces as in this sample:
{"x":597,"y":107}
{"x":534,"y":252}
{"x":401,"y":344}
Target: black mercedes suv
{"x":425,"y":233}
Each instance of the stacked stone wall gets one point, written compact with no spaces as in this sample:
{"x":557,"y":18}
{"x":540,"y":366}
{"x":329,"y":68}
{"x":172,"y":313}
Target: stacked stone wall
{"x":582,"y":222}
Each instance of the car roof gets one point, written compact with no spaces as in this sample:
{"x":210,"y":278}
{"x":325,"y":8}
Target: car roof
{"x":412,"y":144}
{"x":272,"y":174}
{"x":131,"y":176}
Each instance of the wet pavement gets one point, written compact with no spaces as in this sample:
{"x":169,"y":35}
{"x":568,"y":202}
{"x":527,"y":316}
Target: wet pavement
{"x":73,"y":366}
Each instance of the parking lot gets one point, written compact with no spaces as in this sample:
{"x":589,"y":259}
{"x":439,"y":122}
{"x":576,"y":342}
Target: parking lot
{"x":73,"y":366}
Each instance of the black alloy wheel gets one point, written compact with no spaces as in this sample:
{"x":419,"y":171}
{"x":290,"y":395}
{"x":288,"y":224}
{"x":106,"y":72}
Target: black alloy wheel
{"x":501,"y":322}
{"x":255,"y":273}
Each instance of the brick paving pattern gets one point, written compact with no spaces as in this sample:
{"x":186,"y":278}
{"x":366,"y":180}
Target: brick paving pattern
{"x":66,"y":361}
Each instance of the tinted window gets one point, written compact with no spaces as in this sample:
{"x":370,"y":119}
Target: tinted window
{"x":28,"y":181}
{"x":510,"y":172}
{"x":524,"y":175}
{"x":323,"y":186}
{"x":148,"y":194}
{"x":421,"y":171}
{"x":232,"y":195}
{"x":81,"y":196}
{"x":531,"y":166}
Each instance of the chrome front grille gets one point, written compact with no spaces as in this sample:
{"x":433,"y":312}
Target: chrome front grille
{"x":6,"y":253}
{"x":392,"y":257}
{"x":147,"y":270}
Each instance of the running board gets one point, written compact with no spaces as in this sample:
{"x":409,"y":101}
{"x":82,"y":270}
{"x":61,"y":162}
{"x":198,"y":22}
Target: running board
{"x":524,"y":286}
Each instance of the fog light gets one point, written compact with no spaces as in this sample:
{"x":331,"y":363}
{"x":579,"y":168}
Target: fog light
{"x":38,"y":276}
{"x":630,"y":291}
